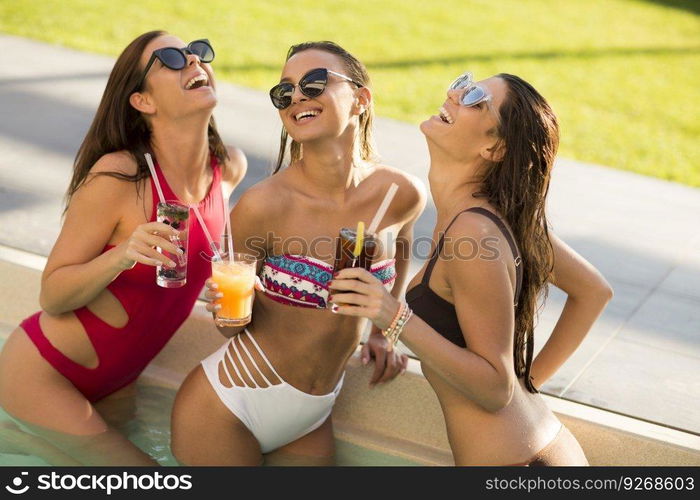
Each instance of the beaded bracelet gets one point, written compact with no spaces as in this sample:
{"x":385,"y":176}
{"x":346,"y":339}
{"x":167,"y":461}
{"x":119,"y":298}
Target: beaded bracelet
{"x":400,"y":327}
{"x":399,"y":313}
{"x":393,"y":333}
{"x":400,"y":330}
{"x":393,"y":337}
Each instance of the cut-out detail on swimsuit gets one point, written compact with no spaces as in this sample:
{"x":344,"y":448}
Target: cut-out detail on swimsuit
{"x":440,"y":314}
{"x":232,"y":361}
{"x":239,"y":360}
{"x":82,"y":353}
{"x":301,"y":281}
{"x":108,"y":308}
{"x":277,"y":414}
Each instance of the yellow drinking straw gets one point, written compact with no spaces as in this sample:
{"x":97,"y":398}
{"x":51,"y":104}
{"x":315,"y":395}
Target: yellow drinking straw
{"x":359,"y":239}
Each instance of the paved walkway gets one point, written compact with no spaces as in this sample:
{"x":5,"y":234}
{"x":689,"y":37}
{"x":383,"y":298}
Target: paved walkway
{"x":642,"y":358}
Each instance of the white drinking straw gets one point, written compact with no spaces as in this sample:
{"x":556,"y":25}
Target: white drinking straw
{"x":382,"y":208}
{"x":181,"y":259}
{"x":227,"y":218}
{"x":152,"y":168}
{"x":212,"y":245}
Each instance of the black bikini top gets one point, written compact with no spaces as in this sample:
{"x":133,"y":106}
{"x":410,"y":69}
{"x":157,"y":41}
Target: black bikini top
{"x":436,"y":311}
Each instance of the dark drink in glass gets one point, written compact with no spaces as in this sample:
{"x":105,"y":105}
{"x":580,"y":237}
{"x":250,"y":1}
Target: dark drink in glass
{"x":344,"y":251}
{"x":344,"y":257}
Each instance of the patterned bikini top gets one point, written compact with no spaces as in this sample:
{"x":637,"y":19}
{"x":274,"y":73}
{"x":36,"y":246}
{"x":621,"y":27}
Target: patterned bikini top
{"x":301,"y":281}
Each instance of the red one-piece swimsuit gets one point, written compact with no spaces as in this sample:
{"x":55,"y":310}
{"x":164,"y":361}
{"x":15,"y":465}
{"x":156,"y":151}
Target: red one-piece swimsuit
{"x":155,"y":313}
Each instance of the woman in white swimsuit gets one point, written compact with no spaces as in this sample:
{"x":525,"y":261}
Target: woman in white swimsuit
{"x":270,"y":389}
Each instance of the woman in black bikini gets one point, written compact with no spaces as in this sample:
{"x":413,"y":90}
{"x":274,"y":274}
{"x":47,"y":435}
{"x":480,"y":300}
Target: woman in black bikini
{"x":492,"y":148}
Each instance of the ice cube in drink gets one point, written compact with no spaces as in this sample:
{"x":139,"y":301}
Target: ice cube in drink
{"x":344,"y":257}
{"x":176,"y":215}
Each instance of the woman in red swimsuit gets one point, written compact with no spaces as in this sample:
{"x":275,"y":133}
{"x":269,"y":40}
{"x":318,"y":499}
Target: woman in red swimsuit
{"x":69,"y":370}
{"x":492,"y":148}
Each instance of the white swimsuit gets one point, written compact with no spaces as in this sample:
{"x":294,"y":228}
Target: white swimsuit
{"x":276,"y":414}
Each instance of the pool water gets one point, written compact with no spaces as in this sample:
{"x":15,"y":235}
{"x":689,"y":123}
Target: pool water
{"x":150,"y":431}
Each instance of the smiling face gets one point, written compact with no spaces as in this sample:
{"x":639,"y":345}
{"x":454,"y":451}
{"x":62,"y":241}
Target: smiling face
{"x":467,"y":133}
{"x":177,"y":92}
{"x":329,"y":115}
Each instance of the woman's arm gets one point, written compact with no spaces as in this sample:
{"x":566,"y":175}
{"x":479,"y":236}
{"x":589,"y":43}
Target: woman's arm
{"x":387,"y":363}
{"x":234,"y":170}
{"x":587,"y":295}
{"x":413,"y":208}
{"x":76,"y":271}
{"x":482,"y":292}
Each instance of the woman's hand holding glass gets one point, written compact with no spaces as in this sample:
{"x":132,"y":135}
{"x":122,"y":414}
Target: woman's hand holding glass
{"x":141,"y":246}
{"x":362,"y":294}
{"x":212,"y":294}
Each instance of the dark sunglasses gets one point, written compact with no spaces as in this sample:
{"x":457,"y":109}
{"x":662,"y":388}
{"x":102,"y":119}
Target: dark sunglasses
{"x":312,"y":84}
{"x":176,"y":59}
{"x":474,"y":94}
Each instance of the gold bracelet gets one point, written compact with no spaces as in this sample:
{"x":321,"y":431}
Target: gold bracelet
{"x":399,"y":313}
{"x":408,"y":317}
{"x":390,"y":331}
{"x":396,"y":333}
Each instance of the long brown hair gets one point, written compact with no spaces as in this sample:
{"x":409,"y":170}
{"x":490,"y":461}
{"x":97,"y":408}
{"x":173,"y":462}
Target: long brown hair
{"x":517,"y":186}
{"x":355,"y":70}
{"x":117,"y":126}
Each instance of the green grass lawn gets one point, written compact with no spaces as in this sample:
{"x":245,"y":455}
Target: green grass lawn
{"x":621,"y":74}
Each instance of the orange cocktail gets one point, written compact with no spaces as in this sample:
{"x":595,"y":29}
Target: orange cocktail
{"x":236,"y":281}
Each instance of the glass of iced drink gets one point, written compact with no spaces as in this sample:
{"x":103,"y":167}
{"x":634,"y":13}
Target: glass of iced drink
{"x":235,"y":280}
{"x":176,"y":215}
{"x":344,"y":252}
{"x":344,"y":257}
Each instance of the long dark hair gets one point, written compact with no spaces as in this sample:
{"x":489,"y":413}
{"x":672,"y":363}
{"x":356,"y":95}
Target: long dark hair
{"x":355,"y":70}
{"x":517,"y":186}
{"x":117,"y":126}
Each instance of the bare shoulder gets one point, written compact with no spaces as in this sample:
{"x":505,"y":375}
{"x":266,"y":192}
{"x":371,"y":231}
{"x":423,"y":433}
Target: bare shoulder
{"x":473,"y":225}
{"x":120,"y":162}
{"x":412,"y":194}
{"x":475,"y":247}
{"x":103,"y":192}
{"x":235,"y":166}
{"x":100,"y":184}
{"x":266,"y":198}
{"x":473,"y":235}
